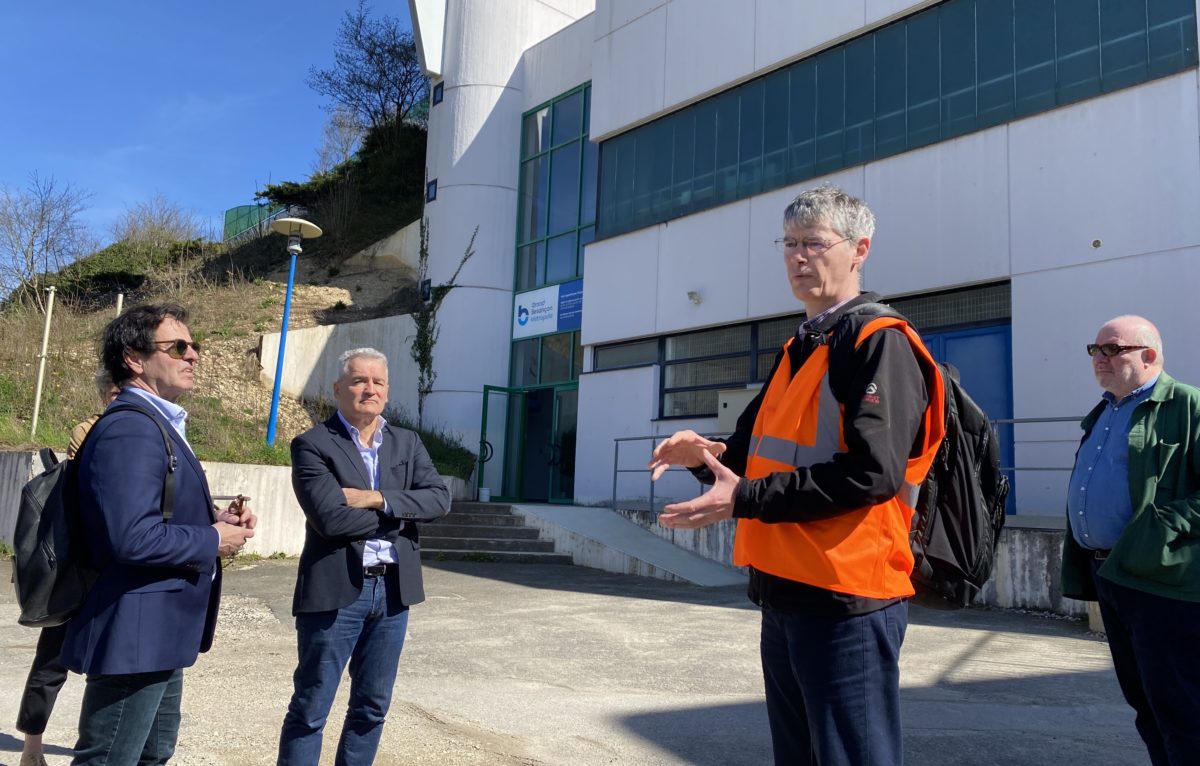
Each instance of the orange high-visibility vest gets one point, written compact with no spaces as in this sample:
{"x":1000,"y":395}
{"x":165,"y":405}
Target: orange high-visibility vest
{"x":863,"y":552}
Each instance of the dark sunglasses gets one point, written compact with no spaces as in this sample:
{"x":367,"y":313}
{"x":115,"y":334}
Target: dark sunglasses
{"x":177,"y":349}
{"x":1110,"y":349}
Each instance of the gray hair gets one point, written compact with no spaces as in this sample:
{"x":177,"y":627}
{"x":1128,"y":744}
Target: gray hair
{"x":832,"y":207}
{"x":359,"y":353}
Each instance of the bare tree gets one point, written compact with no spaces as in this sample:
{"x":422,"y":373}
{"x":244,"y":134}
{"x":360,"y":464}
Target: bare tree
{"x":158,"y":222}
{"x":340,"y":139}
{"x":40,"y":232}
{"x":376,"y":74}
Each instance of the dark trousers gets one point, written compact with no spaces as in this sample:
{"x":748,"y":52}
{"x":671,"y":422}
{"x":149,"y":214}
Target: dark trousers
{"x":833,"y":687}
{"x":129,"y":719}
{"x":1153,"y":642}
{"x":369,"y":635}
{"x":46,"y":677}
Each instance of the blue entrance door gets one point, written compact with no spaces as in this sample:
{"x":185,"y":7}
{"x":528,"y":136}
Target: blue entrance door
{"x":983,"y":356}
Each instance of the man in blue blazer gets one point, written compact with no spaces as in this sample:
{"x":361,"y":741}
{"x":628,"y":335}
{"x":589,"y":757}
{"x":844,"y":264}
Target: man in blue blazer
{"x":154,"y":606}
{"x":362,"y":484}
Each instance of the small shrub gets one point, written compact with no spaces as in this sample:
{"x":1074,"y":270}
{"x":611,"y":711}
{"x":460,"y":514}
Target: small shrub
{"x":333,"y":271}
{"x":340,"y":306}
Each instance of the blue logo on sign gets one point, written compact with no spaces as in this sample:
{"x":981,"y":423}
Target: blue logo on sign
{"x":522,"y":315}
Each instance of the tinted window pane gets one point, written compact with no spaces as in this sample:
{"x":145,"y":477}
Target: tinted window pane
{"x":531,"y":266}
{"x":1123,"y":52}
{"x":994,"y":64}
{"x":763,"y":368}
{"x":684,"y":151}
{"x":860,"y":101}
{"x":703,"y":185}
{"x":534,"y":189}
{"x":587,"y":209}
{"x":1077,"y":31}
{"x":958,"y":68}
{"x":750,"y":138}
{"x":586,"y":237}
{"x":831,"y":109}
{"x":727,"y":146}
{"x":556,"y":357}
{"x":536,"y":133}
{"x":564,"y":188}
{"x":1172,"y":35}
{"x":525,"y":362}
{"x":560,"y":258}
{"x":640,"y":352}
{"x":606,"y":214}
{"x":568,"y":118}
{"x":623,"y":188}
{"x":1034,"y":30}
{"x":775,"y":130}
{"x":577,"y":357}
{"x":891,"y":61}
{"x":802,"y":120}
{"x":662,"y":135}
{"x":924,"y":108}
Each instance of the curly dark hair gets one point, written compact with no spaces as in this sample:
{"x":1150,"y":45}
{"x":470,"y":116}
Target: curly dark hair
{"x":134,"y":330}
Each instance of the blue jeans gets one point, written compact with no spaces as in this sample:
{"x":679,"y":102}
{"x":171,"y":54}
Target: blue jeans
{"x":369,"y":636}
{"x":129,"y":719}
{"x":833,"y":686}
{"x":1153,"y":643}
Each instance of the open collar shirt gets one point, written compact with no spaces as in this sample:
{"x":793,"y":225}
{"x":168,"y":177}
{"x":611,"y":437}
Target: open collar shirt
{"x":374,"y":551}
{"x":1098,"y":501}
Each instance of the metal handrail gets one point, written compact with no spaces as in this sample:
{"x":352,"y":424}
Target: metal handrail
{"x":617,"y":470}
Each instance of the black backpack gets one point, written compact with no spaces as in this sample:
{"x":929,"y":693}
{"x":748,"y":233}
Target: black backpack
{"x":960,"y":509}
{"x":51,"y":568}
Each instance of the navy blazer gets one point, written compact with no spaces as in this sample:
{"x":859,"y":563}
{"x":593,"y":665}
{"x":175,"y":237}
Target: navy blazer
{"x":154,"y":606}
{"x":324,"y":460}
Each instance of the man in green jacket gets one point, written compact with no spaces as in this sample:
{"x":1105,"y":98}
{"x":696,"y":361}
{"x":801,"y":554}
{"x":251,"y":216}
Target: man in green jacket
{"x":1133,"y":538}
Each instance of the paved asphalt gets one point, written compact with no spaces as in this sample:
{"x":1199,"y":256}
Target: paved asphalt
{"x":530,"y":665}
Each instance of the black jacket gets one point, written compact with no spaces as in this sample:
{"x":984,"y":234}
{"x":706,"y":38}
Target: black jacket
{"x":324,"y":460}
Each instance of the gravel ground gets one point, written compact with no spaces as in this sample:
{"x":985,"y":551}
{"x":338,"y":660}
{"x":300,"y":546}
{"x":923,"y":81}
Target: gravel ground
{"x":539,"y":665}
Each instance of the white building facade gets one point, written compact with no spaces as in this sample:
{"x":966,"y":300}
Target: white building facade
{"x":1033,"y":166}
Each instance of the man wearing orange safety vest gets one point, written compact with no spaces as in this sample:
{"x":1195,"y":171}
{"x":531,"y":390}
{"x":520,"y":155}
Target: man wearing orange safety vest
{"x":821,"y":475}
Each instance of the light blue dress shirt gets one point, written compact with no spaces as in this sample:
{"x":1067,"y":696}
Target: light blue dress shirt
{"x":375,"y":551}
{"x":1098,"y":502}
{"x":175,"y":415}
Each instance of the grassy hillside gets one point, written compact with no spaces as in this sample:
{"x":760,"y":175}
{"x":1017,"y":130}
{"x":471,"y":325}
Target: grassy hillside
{"x":234,"y":295}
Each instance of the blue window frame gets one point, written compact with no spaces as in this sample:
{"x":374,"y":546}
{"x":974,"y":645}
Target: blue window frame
{"x":431,"y":191}
{"x":948,"y":70}
{"x":438,"y":93}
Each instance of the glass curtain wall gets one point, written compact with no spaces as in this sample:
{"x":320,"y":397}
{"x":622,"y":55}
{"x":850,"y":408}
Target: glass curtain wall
{"x":957,"y":67}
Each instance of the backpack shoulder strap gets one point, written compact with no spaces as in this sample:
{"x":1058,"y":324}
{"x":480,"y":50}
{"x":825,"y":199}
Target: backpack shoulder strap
{"x":168,"y":495}
{"x":841,"y":340}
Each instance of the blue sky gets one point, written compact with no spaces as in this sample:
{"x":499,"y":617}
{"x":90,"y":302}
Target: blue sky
{"x":202,"y":102}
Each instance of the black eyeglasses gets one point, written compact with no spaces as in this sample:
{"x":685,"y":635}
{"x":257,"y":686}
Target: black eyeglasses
{"x":177,"y":349}
{"x":1110,"y":349}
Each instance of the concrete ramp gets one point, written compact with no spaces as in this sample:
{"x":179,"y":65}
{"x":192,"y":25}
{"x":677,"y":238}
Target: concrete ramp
{"x":601,"y":539}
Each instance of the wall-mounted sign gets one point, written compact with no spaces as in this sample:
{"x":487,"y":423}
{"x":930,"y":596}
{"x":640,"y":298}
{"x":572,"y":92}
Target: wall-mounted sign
{"x":557,"y":308}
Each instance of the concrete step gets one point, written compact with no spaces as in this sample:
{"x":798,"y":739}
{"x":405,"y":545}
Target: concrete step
{"x":486,"y":544}
{"x":481,"y":519}
{"x":470,"y":506}
{"x":508,"y":531}
{"x":499,"y":557}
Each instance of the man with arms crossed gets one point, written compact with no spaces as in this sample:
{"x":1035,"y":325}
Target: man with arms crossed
{"x":821,"y":474}
{"x":154,"y":606}
{"x":1133,"y":538}
{"x":362,"y":484}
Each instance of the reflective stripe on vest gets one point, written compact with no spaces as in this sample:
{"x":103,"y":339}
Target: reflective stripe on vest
{"x":864,"y":551}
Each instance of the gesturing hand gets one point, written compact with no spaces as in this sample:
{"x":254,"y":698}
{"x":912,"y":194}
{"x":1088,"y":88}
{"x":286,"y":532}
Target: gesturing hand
{"x":684,"y":448}
{"x":713,"y":506}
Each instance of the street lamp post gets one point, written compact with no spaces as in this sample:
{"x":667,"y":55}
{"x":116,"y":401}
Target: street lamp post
{"x":295,"y":229}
